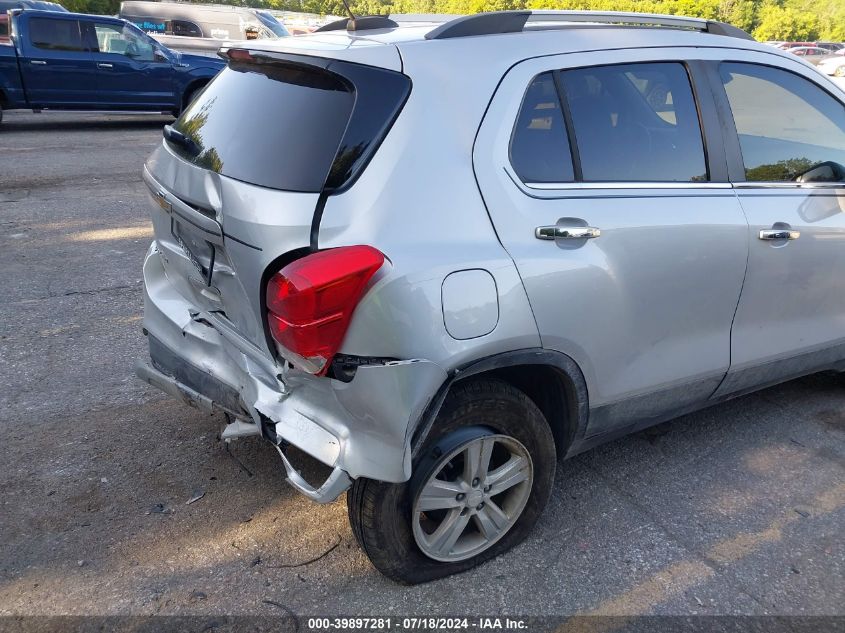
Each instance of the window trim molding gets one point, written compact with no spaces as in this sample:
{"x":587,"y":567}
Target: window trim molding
{"x":785,"y":184}
{"x":626,"y":184}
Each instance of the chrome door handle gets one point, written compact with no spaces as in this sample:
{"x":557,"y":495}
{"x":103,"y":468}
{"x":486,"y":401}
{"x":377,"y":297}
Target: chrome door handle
{"x":38,"y":62}
{"x":566,"y":232}
{"x":779,"y":234}
{"x":104,"y":65}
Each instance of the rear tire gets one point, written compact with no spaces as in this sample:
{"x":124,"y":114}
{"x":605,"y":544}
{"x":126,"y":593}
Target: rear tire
{"x":476,"y":414}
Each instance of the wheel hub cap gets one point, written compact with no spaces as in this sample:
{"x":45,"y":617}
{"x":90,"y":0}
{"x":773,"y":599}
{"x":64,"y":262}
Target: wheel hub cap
{"x":474,"y":498}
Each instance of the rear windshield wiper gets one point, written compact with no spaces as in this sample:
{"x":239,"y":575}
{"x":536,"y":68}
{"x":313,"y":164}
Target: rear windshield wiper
{"x":175,"y":136}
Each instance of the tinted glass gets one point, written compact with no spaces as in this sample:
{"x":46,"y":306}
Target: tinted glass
{"x":270,"y":125}
{"x":122,"y":40}
{"x":185,"y":28}
{"x":789,"y":128}
{"x":635,"y":122}
{"x":540,"y":146}
{"x":57,"y":35}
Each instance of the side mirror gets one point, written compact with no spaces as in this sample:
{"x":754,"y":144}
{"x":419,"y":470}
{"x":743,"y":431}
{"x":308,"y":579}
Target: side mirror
{"x":159,"y":56}
{"x":827,"y":171}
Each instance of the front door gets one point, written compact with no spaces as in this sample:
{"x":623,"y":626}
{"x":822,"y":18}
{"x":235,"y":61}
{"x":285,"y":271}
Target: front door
{"x":631,"y":246}
{"x":790,"y":148}
{"x":131,"y":71}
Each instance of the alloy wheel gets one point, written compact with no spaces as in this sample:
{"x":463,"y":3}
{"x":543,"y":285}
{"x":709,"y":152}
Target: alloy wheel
{"x":473,"y":496}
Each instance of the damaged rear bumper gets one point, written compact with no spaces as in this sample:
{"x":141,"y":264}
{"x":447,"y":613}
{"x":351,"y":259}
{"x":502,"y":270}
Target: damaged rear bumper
{"x":360,"y":429}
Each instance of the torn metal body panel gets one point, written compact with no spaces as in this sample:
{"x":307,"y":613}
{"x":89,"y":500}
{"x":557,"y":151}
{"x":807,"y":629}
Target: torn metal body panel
{"x":360,"y":428}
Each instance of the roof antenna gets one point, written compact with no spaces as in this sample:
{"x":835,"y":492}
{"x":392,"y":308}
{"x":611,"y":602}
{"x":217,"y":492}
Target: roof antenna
{"x":349,"y":11}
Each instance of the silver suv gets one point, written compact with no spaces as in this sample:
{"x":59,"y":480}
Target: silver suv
{"x":438,"y":257}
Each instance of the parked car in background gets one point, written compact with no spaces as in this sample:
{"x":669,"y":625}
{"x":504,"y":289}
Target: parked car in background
{"x":200,"y":28}
{"x":603,"y":227}
{"x":788,"y":45}
{"x":833,"y":65}
{"x":812,"y":54}
{"x":69,"y":61}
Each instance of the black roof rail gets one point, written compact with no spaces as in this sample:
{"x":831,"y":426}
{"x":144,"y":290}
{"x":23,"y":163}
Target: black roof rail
{"x":728,"y":30}
{"x":499,"y":22}
{"x":481,"y":24}
{"x":364,"y":23}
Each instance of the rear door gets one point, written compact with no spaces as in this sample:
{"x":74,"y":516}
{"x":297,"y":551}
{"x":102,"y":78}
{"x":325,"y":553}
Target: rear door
{"x":131,"y":72}
{"x":57,"y":68}
{"x":630,"y":243}
{"x":787,"y":131}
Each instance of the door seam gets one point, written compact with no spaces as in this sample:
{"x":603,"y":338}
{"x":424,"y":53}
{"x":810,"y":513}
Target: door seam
{"x":739,"y":297}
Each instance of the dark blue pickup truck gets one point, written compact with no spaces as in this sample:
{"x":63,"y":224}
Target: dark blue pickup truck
{"x":70,"y":61}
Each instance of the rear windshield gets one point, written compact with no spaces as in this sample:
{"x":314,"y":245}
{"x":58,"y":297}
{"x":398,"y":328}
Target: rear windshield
{"x":271,"y":125}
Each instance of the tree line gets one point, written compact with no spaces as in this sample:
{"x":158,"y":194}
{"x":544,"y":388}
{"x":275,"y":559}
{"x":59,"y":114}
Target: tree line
{"x":792,"y":20}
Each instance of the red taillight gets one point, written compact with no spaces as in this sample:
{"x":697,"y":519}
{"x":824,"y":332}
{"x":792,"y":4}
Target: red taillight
{"x":310,"y":302}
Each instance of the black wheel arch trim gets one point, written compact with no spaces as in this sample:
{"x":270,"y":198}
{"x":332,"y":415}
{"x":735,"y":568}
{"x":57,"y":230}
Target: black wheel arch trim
{"x":577,"y":396}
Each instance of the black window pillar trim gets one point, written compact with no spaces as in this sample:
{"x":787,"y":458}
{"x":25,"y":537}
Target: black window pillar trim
{"x":578,"y":174}
{"x":727,"y":127}
{"x":709,"y":121}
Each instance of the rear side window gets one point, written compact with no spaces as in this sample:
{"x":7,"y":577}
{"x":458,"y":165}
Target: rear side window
{"x":539,"y":145}
{"x":635,"y":122}
{"x":789,"y":129}
{"x":57,"y":35}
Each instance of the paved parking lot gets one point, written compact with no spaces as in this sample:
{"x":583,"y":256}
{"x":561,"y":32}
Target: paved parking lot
{"x":738,"y":509}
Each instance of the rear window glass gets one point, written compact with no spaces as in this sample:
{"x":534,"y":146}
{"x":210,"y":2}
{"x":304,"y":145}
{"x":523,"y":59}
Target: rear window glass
{"x":635,"y":122}
{"x":57,"y":35}
{"x":270,"y":125}
{"x":540,"y":145}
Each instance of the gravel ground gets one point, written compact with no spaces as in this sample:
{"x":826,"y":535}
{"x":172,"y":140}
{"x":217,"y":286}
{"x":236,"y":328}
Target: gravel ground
{"x":738,"y":509}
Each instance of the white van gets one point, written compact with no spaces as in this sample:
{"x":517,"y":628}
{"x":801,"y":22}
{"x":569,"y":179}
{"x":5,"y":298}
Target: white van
{"x":200,"y":27}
